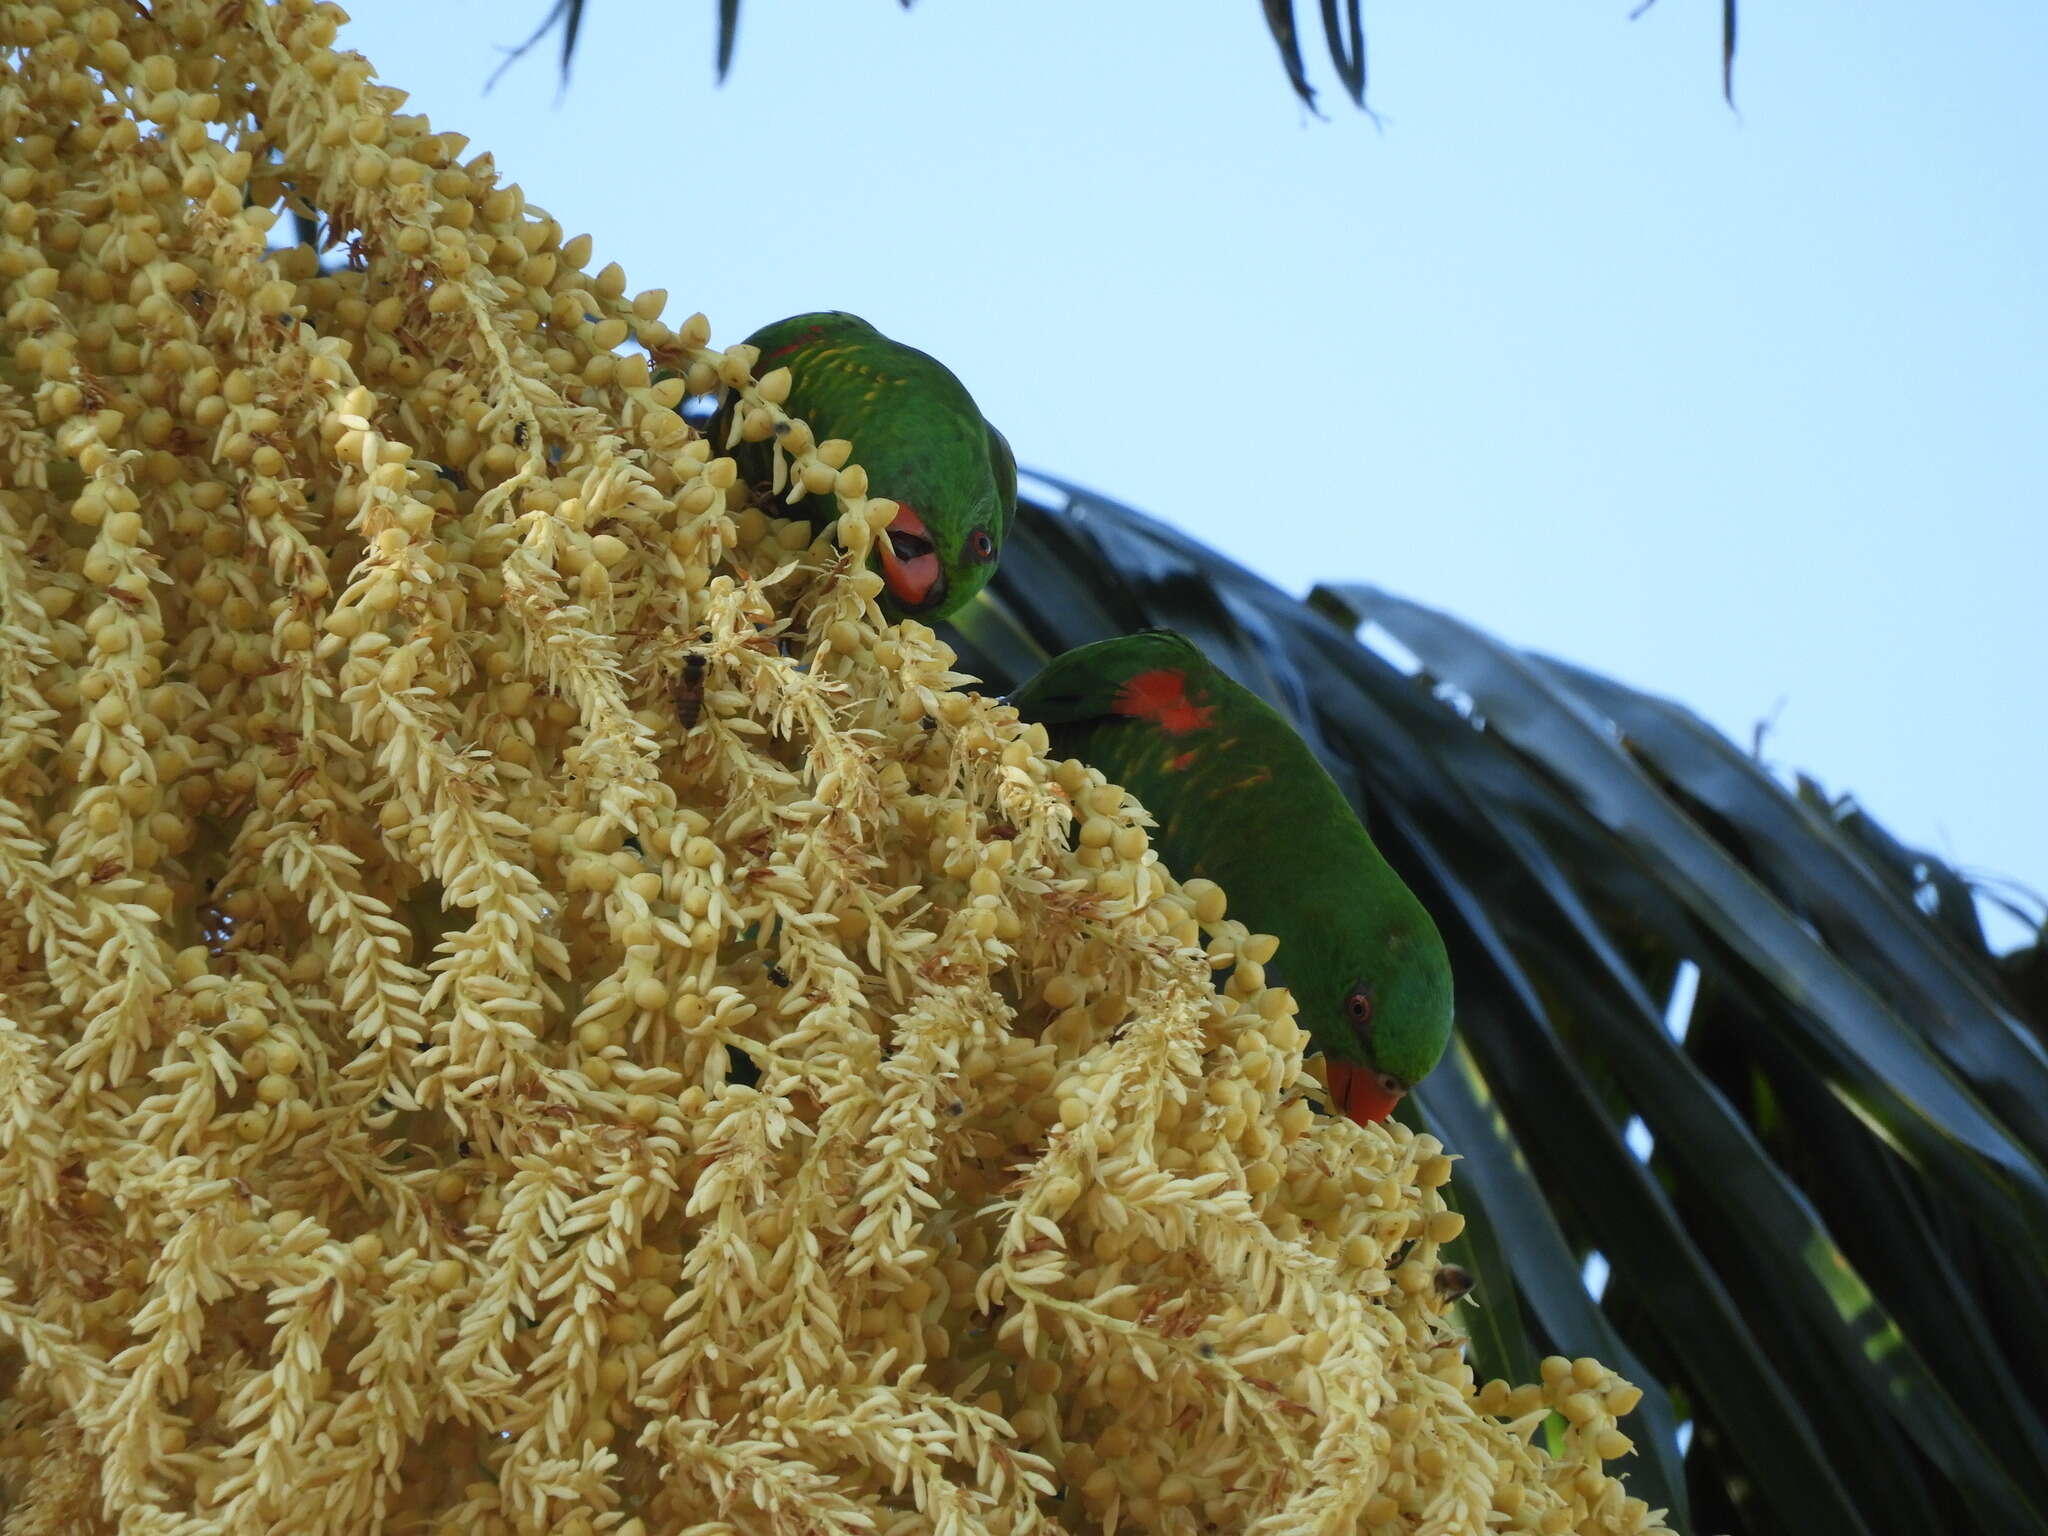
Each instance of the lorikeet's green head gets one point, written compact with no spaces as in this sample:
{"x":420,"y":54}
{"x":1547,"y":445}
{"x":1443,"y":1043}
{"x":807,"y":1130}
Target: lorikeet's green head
{"x":1375,"y":994}
{"x":945,"y":541}
{"x":924,"y":445}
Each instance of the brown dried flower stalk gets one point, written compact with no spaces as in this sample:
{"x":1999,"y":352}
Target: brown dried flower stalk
{"x":442,"y":1089}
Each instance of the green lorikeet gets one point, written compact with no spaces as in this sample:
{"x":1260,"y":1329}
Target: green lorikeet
{"x":1239,"y":799}
{"x":924,"y":444}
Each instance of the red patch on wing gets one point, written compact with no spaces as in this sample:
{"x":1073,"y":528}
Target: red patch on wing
{"x":1162,"y":695}
{"x":810,"y":334}
{"x":1356,"y":1090}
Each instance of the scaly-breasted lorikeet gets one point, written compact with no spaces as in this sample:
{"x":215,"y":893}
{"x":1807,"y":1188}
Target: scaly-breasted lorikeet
{"x":923,"y":442}
{"x":1239,"y":799}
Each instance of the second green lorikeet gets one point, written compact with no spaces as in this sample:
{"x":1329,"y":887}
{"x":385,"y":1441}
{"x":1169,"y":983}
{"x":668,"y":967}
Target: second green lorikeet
{"x":923,"y":442}
{"x":1239,"y":799}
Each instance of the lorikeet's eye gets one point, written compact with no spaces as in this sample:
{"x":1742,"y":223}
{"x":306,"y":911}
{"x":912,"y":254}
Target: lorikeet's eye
{"x":980,"y":545}
{"x":1358,"y":1009}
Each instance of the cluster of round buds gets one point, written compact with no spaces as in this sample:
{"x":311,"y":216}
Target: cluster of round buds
{"x":525,"y":1005}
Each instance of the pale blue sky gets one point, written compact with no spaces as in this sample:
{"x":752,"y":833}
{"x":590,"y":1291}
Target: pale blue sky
{"x":1740,"y":407}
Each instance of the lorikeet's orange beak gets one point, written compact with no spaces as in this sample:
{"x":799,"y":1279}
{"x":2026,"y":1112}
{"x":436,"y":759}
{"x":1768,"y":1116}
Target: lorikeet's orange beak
{"x":1360,"y":1093}
{"x":910,"y":563}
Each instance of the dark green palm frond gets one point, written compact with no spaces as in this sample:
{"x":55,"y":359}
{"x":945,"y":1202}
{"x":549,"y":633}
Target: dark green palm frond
{"x":1727,"y":45}
{"x":1343,"y":33}
{"x":568,"y":15}
{"x":1732,"y":1039}
{"x":728,"y":34}
{"x":1280,"y":22}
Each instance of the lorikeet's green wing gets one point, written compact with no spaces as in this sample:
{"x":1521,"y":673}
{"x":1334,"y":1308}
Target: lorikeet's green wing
{"x":1240,"y":798}
{"x":923,"y":442}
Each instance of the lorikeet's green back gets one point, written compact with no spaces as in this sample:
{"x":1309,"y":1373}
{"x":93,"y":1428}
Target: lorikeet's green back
{"x":1240,"y":799}
{"x":923,"y":442}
